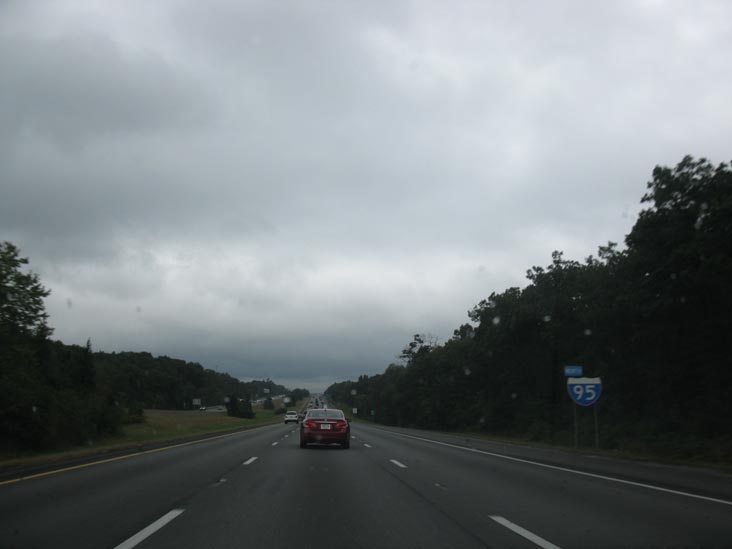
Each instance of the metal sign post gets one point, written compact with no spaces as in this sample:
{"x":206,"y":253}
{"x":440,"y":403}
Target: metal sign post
{"x":585,"y":391}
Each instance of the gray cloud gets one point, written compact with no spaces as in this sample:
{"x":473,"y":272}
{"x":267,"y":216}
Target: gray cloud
{"x":80,"y":88}
{"x":292,"y":190}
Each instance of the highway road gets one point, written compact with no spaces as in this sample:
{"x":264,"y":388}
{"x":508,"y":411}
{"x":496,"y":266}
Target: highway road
{"x":393,"y":488}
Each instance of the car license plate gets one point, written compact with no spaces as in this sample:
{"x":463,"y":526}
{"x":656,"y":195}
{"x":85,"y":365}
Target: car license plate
{"x":325,"y":426}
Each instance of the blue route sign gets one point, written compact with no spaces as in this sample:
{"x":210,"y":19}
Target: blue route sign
{"x":573,"y":371}
{"x":584,"y":390}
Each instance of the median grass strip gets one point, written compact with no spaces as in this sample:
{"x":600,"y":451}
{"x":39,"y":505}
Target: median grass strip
{"x":159,"y":426}
{"x":173,"y":424}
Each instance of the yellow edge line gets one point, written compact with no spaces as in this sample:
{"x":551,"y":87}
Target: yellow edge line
{"x":118,"y":458}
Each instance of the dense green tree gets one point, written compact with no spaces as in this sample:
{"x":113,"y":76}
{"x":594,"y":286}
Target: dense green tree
{"x":239,"y":407}
{"x":652,"y":319}
{"x":50,"y":396}
{"x":22,"y":310}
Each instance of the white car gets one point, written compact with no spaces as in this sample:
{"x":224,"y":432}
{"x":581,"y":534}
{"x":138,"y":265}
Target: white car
{"x":291,"y":416}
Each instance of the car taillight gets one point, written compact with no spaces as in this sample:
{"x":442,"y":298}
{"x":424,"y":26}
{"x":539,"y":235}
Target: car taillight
{"x":341,"y":424}
{"x":310,"y":424}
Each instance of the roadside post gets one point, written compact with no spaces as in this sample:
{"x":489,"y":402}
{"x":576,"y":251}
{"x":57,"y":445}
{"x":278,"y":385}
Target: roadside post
{"x":574,"y":371}
{"x":585,"y":391}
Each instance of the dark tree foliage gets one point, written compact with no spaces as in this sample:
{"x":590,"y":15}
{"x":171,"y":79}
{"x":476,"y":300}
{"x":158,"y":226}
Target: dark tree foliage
{"x":22,"y":311}
{"x":170,"y":383}
{"x":50,"y":396}
{"x":61,"y":395}
{"x":239,"y":407}
{"x":652,"y":319}
{"x":297,"y":395}
{"x":261,"y":388}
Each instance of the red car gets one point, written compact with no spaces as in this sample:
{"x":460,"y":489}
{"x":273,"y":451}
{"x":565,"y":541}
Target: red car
{"x":325,"y":425}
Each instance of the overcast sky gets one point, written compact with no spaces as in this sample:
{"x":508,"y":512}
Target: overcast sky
{"x":292,"y":189}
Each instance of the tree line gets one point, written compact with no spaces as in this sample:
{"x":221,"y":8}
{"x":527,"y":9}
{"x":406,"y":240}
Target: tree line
{"x":162,"y":382}
{"x":653,"y":320}
{"x":56,"y":395}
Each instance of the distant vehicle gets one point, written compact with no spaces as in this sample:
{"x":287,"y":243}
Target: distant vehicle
{"x":325,"y":427}
{"x":291,"y":416}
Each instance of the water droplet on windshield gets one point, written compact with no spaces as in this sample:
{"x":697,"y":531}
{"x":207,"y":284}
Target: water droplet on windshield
{"x":467,"y":371}
{"x":547,"y":318}
{"x":588,"y":332}
{"x":496,"y":320}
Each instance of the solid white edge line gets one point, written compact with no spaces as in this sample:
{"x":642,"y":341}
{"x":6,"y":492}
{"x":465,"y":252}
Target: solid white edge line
{"x":524,"y":533}
{"x":250,"y":460}
{"x":566,"y":469}
{"x":398,"y":464}
{"x":367,"y":445}
{"x":275,"y":443}
{"x":149,"y":530}
{"x":129,"y":456}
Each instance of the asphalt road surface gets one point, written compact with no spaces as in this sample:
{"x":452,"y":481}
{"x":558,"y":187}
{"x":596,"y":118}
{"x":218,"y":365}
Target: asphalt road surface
{"x":393,"y":488}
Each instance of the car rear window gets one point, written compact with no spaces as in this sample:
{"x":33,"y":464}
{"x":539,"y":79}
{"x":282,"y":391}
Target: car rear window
{"x":325,"y":414}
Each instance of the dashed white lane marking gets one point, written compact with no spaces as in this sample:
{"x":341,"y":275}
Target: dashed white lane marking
{"x":367,"y":445}
{"x":275,"y":443}
{"x":250,"y":460}
{"x":398,"y":464}
{"x":149,"y":530}
{"x":354,"y":438}
{"x":129,"y":456}
{"x":286,"y":436}
{"x":523,"y":532}
{"x":566,"y":469}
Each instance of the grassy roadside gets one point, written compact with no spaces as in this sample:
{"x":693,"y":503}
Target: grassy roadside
{"x":632,"y":455}
{"x":159,"y":426}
